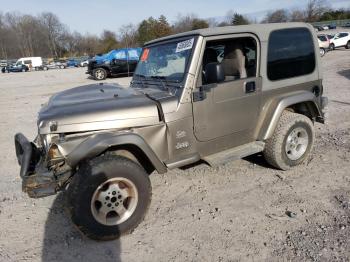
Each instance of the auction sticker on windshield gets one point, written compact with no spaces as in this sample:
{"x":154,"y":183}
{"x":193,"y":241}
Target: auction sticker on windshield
{"x":184,"y":45}
{"x":144,"y":56}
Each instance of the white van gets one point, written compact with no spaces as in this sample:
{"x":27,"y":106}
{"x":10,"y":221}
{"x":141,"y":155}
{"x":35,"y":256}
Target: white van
{"x":31,"y":62}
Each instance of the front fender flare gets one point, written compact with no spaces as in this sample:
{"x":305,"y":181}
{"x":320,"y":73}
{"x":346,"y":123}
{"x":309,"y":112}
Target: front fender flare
{"x":98,"y":143}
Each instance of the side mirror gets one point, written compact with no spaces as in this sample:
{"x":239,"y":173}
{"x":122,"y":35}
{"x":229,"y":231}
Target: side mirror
{"x":214,"y":73}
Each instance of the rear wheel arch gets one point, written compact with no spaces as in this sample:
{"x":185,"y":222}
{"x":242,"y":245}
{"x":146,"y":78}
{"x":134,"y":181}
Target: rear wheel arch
{"x":302,"y":103}
{"x":306,"y":108}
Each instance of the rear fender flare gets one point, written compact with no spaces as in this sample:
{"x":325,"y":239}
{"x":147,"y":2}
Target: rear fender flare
{"x":282,"y":103}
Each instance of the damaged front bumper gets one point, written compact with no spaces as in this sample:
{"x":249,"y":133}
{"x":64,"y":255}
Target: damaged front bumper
{"x":37,"y":180}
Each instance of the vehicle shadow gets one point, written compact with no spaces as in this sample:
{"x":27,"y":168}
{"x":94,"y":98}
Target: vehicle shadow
{"x":345,"y":73}
{"x":63,"y":241}
{"x":259,"y":160}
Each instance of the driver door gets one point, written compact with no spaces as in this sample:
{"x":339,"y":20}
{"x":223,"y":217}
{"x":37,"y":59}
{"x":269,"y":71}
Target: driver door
{"x":119,"y":64}
{"x":229,"y":107}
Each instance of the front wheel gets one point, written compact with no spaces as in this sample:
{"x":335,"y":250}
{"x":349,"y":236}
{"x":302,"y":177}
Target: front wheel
{"x":347,"y":45}
{"x":291,"y":141}
{"x":109,"y":196}
{"x":99,"y":74}
{"x":332,"y":47}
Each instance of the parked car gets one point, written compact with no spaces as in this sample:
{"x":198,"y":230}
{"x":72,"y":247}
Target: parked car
{"x":318,"y":28}
{"x":115,"y":63}
{"x":55,"y":65}
{"x":341,"y":39}
{"x":31,"y":62}
{"x":325,"y":27}
{"x":18,"y":67}
{"x":3,"y":63}
{"x":72,"y":63}
{"x":332,"y":26}
{"x":101,"y":142}
{"x":347,"y":24}
{"x":323,"y":43}
{"x":84,"y":63}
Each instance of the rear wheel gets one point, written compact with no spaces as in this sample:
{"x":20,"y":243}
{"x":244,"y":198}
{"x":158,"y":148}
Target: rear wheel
{"x":99,"y":74}
{"x":291,"y":141}
{"x":109,"y":196}
{"x":322,"y":52}
{"x":347,"y":45}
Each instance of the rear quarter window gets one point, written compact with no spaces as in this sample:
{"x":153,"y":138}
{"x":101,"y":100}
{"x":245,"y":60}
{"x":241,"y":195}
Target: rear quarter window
{"x":291,"y":53}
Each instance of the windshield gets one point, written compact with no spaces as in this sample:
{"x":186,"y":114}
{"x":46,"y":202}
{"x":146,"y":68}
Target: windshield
{"x":165,"y":61}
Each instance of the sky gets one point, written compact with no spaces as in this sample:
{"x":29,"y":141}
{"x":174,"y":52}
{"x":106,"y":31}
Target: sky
{"x":87,"y":16}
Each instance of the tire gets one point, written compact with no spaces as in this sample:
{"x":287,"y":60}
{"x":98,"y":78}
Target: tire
{"x":61,"y":67}
{"x":322,"y":52}
{"x":95,"y":180}
{"x":99,"y":74}
{"x":23,"y":70}
{"x":281,"y":151}
{"x":45,"y":68}
{"x":347,"y":45}
{"x":331,"y":47}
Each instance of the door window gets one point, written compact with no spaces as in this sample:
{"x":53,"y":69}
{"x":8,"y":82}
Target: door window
{"x":120,"y":55}
{"x":133,"y":54}
{"x":237,"y":57}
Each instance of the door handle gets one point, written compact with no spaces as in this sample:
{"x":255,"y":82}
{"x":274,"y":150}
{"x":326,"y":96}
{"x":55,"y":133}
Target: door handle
{"x":250,"y":87}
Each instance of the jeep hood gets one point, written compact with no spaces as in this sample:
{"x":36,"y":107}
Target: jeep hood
{"x":98,"y":107}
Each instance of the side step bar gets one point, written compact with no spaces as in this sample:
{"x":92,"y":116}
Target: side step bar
{"x":235,"y":153}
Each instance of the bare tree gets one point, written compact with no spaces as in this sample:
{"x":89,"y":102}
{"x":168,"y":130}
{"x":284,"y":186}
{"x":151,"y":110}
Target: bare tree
{"x":189,"y":22}
{"x":314,"y":9}
{"x":128,"y":35}
{"x":54,"y":31}
{"x":278,"y":16}
{"x":297,"y":15}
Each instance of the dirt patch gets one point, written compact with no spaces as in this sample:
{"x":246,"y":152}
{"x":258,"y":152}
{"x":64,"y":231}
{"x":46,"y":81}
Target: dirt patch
{"x":328,"y":239}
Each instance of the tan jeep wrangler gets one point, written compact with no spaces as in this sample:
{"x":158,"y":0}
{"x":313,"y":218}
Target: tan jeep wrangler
{"x":213,"y":95}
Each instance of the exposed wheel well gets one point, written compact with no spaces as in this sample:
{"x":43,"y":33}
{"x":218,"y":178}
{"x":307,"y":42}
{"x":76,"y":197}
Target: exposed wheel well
{"x":133,"y":153}
{"x":307,"y":108}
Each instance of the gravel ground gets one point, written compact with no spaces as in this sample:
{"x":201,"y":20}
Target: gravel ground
{"x":243,"y":210}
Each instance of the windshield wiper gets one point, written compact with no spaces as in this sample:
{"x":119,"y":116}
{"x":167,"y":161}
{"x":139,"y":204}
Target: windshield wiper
{"x":140,"y":75}
{"x":140,"y":80}
{"x":161,"y":78}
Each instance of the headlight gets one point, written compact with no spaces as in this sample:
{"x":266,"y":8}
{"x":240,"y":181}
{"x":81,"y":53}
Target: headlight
{"x":106,"y":62}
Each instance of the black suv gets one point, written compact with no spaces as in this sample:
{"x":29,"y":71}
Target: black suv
{"x":115,"y":63}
